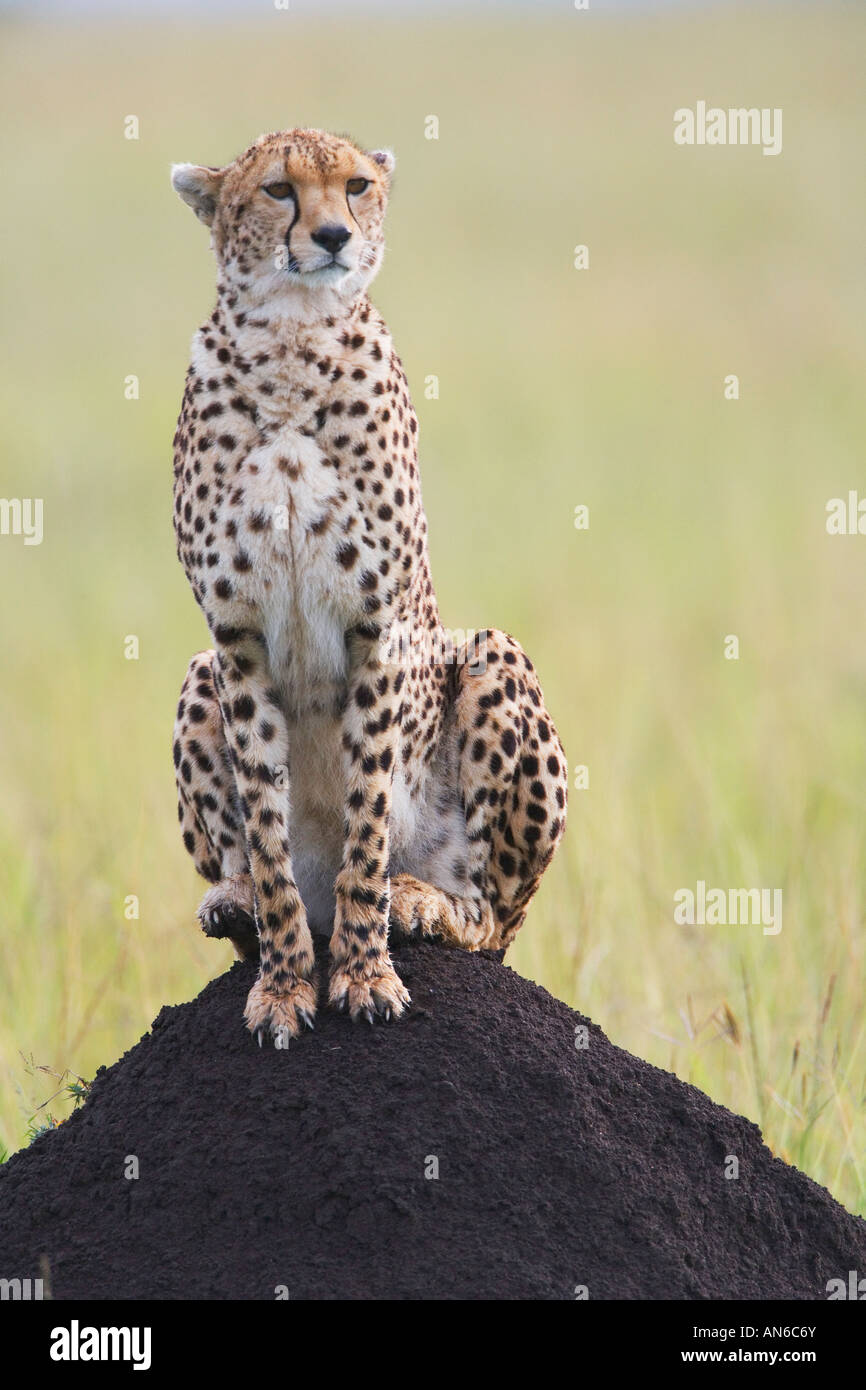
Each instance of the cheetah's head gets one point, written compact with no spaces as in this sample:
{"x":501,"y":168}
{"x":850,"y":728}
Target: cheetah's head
{"x":298,"y":216}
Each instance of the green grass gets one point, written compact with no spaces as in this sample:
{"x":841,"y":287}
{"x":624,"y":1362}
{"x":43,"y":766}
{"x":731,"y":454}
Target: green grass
{"x":556,"y":387}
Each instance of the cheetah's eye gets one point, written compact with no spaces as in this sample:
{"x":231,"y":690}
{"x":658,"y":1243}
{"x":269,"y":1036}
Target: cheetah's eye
{"x":278,"y":190}
{"x":357,"y":185}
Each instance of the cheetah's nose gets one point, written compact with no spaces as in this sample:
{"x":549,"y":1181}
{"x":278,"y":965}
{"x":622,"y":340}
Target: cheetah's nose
{"x":332,"y":237}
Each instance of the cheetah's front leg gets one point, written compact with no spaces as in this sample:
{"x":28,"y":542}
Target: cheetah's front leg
{"x":284,"y":995}
{"x":363,"y":978}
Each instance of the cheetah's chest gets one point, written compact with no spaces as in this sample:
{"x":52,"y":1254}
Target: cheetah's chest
{"x":292,"y":514}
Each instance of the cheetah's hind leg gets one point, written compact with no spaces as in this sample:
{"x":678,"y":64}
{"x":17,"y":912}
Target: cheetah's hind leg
{"x":513,"y":784}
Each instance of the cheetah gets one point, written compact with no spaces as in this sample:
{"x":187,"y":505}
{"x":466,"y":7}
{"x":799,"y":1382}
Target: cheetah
{"x":331,"y":780}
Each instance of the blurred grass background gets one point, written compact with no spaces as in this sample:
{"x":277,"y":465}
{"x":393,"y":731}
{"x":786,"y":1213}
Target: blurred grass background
{"x":557,"y":387}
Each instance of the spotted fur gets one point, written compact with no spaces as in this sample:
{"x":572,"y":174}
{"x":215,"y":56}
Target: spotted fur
{"x":326,"y":783}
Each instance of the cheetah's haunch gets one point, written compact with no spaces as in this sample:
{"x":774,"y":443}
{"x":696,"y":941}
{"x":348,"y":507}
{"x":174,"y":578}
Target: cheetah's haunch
{"x":325,"y":783}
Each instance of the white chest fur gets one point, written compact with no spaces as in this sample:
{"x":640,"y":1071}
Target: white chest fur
{"x":303,"y":599}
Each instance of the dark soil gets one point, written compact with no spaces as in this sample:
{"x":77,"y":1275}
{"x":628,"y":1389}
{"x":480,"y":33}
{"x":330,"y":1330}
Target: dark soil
{"x":557,"y":1167}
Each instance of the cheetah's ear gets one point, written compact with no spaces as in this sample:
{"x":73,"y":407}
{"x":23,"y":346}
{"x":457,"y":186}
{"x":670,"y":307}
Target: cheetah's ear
{"x":385,"y":159}
{"x":199,"y":186}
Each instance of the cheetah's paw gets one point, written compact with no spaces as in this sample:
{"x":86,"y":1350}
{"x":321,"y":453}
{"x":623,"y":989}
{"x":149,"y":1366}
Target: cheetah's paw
{"x":282,"y":1015}
{"x":382,"y":992}
{"x":227,"y":912}
{"x":420,"y":910}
